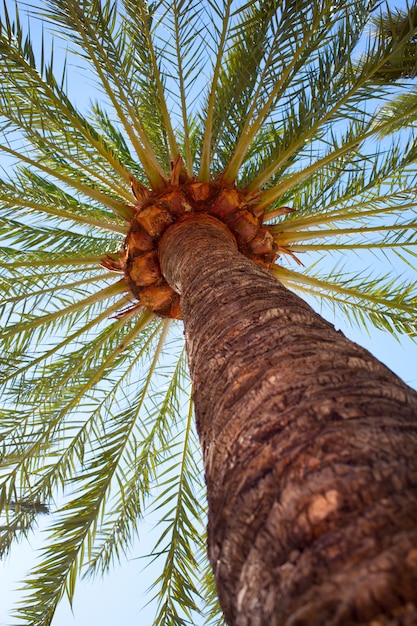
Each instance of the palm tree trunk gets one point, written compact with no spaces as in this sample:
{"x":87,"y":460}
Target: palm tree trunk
{"x":309,"y":448}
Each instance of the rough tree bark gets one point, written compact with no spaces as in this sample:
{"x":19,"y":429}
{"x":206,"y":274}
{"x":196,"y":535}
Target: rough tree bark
{"x":309,"y":448}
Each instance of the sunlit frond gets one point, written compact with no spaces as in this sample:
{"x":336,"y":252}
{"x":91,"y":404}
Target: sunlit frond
{"x":212,"y":613}
{"x":137,"y":478}
{"x":147,"y":80}
{"x":31,"y":195}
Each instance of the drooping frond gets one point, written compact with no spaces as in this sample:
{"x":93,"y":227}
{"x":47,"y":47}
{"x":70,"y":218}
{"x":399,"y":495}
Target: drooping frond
{"x":398,"y":26}
{"x":180,"y":513}
{"x":398,"y":114}
{"x":117,"y":436}
{"x":151,"y":446}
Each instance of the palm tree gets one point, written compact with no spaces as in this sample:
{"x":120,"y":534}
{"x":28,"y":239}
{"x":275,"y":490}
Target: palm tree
{"x":233,"y":145}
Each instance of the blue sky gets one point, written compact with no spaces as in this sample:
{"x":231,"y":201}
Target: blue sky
{"x":120,"y":597}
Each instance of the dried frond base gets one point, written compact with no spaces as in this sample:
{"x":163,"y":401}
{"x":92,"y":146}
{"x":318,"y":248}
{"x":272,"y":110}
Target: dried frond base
{"x":157,"y":210}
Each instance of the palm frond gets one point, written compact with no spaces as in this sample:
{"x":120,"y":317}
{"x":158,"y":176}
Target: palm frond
{"x":181,"y":516}
{"x":398,"y":26}
{"x":304,"y":39}
{"x":21,"y":338}
{"x":64,"y":453}
{"x":94,"y":29}
{"x":223,"y":30}
{"x":239,"y":72}
{"x":387,"y":303}
{"x":12,"y":370}
{"x":147,"y":79}
{"x":31,"y":194}
{"x":398,"y":114}
{"x":212,"y":612}
{"x":67,"y":175}
{"x":34,"y":100}
{"x":149,"y":446}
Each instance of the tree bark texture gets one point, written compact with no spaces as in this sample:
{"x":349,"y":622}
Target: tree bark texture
{"x":309,"y":448}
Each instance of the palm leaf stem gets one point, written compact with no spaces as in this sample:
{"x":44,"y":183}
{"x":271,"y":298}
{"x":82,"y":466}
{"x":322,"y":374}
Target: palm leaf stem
{"x":112,"y":290}
{"x":144,"y":466}
{"x":309,"y":247}
{"x":254,"y":123}
{"x":67,"y":555}
{"x":93,"y":260}
{"x":170,"y":587}
{"x":65,"y":110}
{"x":345,"y":213}
{"x":294,"y":278}
{"x":144,"y":461}
{"x":30,"y":237}
{"x":160,"y":429}
{"x":60,"y":213}
{"x":251,"y":38}
{"x":274,"y":193}
{"x":166,"y":325}
{"x":185,"y":120}
{"x":119,"y":208}
{"x":204,"y":173}
{"x":110,"y":472}
{"x":32,"y":452}
{"x":81,"y":166}
{"x":106,"y":314}
{"x":360,"y":307}
{"x":174,"y":151}
{"x":289,"y":238}
{"x":27,"y":281}
{"x":54,"y":289}
{"x":146,"y":319}
{"x":133,"y":126}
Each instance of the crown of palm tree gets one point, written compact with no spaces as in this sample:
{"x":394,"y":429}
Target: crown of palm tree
{"x":280,"y":103}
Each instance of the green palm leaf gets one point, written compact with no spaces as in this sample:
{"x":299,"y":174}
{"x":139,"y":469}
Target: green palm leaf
{"x":398,"y":26}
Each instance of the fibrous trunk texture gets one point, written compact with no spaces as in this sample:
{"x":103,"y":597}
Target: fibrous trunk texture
{"x":309,"y":448}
